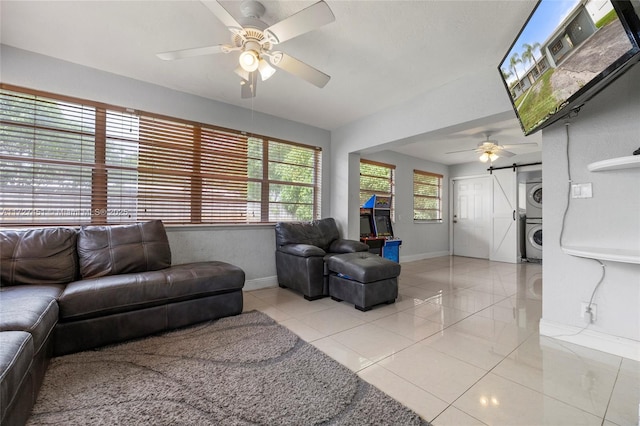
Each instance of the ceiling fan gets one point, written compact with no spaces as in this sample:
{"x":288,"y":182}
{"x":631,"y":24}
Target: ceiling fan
{"x":254,"y":39}
{"x":490,"y":150}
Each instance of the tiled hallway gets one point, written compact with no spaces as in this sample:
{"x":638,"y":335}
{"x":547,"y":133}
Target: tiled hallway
{"x":461,"y":347}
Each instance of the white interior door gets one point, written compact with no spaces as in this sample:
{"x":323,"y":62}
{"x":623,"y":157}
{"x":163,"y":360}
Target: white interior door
{"x":472,"y":217}
{"x":504,"y":235}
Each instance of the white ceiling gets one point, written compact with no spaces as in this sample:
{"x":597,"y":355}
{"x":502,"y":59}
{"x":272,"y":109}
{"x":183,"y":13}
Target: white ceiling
{"x":379,"y":54}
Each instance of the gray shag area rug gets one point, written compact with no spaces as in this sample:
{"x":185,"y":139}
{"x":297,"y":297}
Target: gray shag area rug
{"x":242,"y":370}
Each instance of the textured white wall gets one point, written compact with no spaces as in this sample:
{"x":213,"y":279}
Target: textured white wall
{"x":252,"y":248}
{"x":607,"y":127}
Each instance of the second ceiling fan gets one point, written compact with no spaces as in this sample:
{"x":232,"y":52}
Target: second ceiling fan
{"x":490,"y":150}
{"x":254,"y":39}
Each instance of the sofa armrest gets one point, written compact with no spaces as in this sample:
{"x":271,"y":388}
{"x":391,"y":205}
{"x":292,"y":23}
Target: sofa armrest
{"x":347,"y":246}
{"x":302,"y":250}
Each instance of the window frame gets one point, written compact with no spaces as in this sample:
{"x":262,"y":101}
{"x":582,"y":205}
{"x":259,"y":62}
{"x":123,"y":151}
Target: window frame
{"x":417,"y":196}
{"x":99,"y":166}
{"x":392,"y":183}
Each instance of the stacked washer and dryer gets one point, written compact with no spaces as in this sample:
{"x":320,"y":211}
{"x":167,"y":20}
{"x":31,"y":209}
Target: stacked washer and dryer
{"x":533,"y":221}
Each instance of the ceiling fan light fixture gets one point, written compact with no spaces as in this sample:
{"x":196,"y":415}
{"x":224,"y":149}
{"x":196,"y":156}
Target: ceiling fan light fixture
{"x":249,"y":60}
{"x":266,"y":70}
{"x":488,"y":155}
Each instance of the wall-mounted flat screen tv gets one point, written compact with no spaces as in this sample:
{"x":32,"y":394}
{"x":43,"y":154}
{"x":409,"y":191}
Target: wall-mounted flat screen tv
{"x":566,"y":52}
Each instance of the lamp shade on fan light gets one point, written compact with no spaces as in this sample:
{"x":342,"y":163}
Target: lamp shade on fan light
{"x":265,"y":69}
{"x":249,"y":60}
{"x":486,"y":156}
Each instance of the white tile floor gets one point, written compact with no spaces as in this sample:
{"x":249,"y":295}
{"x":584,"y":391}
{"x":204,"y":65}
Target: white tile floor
{"x":461,"y":347}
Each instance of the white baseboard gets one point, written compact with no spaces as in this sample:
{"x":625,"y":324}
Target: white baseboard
{"x":258,"y":283}
{"x":621,"y":346}
{"x":266,"y":282}
{"x":421,"y":256}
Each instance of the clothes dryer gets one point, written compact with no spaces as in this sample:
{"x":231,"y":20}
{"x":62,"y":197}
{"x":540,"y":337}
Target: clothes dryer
{"x":533,"y":235}
{"x":534,"y":200}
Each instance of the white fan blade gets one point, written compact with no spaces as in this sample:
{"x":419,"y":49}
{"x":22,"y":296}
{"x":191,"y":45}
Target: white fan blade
{"x":464,"y":150}
{"x":299,"y":69}
{"x":314,"y":16}
{"x":224,"y":16}
{"x":503,"y":153}
{"x":515,"y":145}
{"x":196,"y":51}
{"x":248,"y":87}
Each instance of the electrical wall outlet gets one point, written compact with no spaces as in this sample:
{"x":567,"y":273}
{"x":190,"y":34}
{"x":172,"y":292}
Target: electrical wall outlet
{"x":589,"y":317}
{"x":581,"y":190}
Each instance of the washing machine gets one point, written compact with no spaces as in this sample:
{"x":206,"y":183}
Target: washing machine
{"x":534,"y":200}
{"x":533,"y":239}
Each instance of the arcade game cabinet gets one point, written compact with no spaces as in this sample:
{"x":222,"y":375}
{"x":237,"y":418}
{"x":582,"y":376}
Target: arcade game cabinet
{"x":376,"y":229}
{"x":368,"y":234}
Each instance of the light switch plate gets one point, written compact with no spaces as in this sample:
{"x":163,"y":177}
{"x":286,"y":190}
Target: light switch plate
{"x":581,"y":190}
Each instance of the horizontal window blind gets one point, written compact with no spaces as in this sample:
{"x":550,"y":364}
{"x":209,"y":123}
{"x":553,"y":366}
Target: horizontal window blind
{"x":46,"y":160}
{"x":376,"y":179}
{"x":71,"y":162}
{"x":427,"y":196}
{"x":293,"y":175}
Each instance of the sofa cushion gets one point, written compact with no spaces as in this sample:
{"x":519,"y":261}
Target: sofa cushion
{"x":363,"y":267}
{"x":38,"y":256}
{"x":347,"y":246}
{"x":123,"y":249}
{"x":319,"y":233}
{"x":52,"y":291}
{"x":16,"y":354}
{"x":302,"y":250}
{"x":34,"y":312}
{"x":97,"y":297}
{"x":202,"y":279}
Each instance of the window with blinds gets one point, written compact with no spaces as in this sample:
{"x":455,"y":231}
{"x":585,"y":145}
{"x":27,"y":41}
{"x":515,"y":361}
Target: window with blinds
{"x":376,"y":179}
{"x":71,"y":162}
{"x":427,"y":196}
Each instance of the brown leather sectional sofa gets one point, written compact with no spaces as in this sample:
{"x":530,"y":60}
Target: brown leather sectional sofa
{"x":64,"y":290}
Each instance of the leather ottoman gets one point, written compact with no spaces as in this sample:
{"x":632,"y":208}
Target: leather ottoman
{"x":363,"y":278}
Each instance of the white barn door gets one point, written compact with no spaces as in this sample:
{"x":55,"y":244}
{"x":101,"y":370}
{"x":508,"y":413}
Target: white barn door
{"x":504,"y":236}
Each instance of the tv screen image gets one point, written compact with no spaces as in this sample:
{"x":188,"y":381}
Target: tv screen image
{"x":383,"y":226}
{"x":565,"y":53}
{"x":365,"y":226}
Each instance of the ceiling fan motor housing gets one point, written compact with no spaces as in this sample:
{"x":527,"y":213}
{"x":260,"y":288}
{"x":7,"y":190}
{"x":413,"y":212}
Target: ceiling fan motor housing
{"x":253,"y":37}
{"x":252,"y":9}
